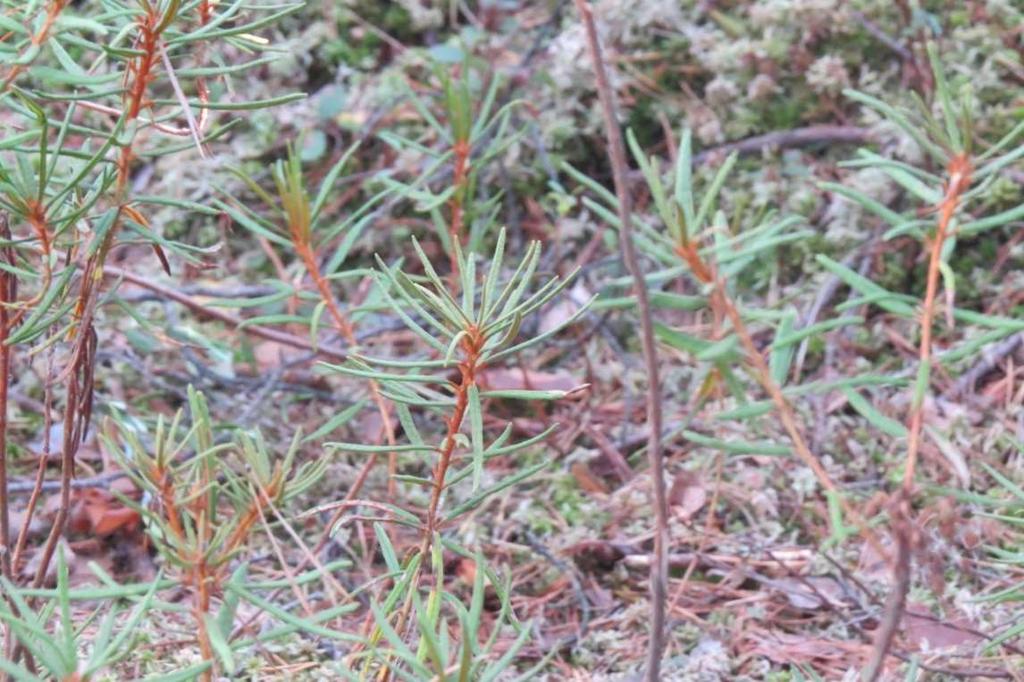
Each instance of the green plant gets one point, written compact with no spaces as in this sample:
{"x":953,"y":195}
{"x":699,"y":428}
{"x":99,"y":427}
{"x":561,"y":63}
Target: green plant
{"x":440,"y":649}
{"x":468,"y":329}
{"x":58,"y":653}
{"x":89,"y":99}
{"x":466,"y":137}
{"x":127,"y":147}
{"x":713,"y":252}
{"x":947,"y":139}
{"x":209,"y":497}
{"x":309,"y":235}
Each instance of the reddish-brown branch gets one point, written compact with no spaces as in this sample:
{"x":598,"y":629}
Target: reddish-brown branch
{"x":30,"y":509}
{"x":958,"y":181}
{"x":620,"y":169}
{"x":163,"y":483}
{"x":723,"y":306}
{"x":959,"y":172}
{"x":200,"y":611}
{"x":460,"y":173}
{"x":443,"y":462}
{"x":344,"y":326}
{"x":40,"y":479}
{"x":140,"y":69}
{"x":472,"y":345}
{"x":69,"y":447}
{"x":137,"y":79}
{"x":252,"y":515}
{"x":305,"y":252}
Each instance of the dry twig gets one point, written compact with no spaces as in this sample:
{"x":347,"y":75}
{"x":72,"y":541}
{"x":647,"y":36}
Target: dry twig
{"x":620,"y":168}
{"x":195,"y":306}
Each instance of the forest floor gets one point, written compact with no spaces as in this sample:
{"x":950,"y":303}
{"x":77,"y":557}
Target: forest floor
{"x":768,"y":580}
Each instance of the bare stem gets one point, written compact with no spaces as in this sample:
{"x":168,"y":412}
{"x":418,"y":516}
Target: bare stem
{"x":958,"y":180}
{"x":620,"y":169}
{"x":67,"y":471}
{"x":7,"y":296}
{"x":892,"y":614}
{"x":344,"y":325}
{"x":269,"y":333}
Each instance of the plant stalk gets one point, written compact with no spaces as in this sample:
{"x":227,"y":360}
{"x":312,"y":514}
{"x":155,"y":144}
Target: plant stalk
{"x":620,"y":169}
{"x":959,"y":179}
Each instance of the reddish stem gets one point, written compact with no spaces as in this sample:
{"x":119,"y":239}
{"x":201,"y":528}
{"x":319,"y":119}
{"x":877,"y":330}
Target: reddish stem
{"x":137,"y":79}
{"x":461,"y":150}
{"x":472,"y":344}
{"x":959,"y":171}
{"x":344,"y":326}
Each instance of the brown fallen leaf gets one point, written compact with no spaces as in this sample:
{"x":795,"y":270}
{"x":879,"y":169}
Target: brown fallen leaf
{"x":587,"y":480}
{"x":271,"y":355}
{"x":688,"y":494}
{"x":98,"y":513}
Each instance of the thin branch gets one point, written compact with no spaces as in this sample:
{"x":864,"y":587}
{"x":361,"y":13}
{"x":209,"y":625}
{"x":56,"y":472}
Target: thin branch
{"x":193,"y":127}
{"x":989,"y":360}
{"x":268,"y":333}
{"x":895,"y":603}
{"x":620,"y":169}
{"x":77,"y":410}
{"x":101,"y":482}
{"x":884,"y":38}
{"x":797,"y":137}
{"x":959,"y":180}
{"x":344,"y":326}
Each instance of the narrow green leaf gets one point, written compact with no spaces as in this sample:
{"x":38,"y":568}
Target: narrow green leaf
{"x":522,"y":394}
{"x":476,"y":428}
{"x":737,"y":447}
{"x":483,"y":495}
{"x":884,"y":424}
{"x":791,"y":338}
